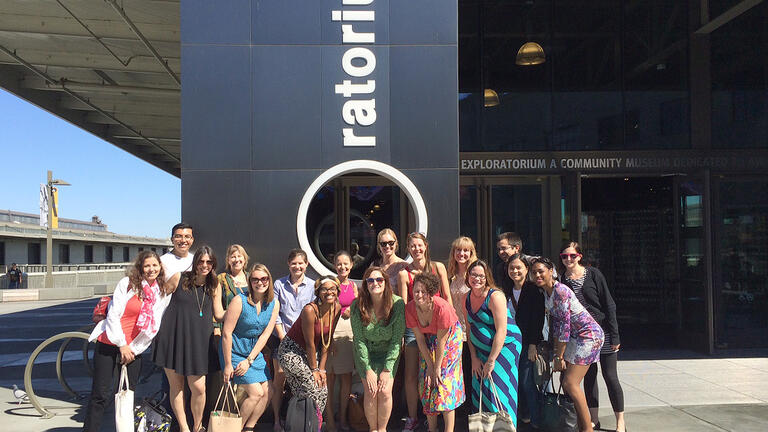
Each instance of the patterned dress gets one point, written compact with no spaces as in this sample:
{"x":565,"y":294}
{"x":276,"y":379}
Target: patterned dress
{"x":504,"y":374}
{"x":571,"y":323}
{"x":250,"y":325}
{"x":448,"y":395}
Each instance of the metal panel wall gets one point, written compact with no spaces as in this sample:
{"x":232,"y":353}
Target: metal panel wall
{"x":262,"y":113}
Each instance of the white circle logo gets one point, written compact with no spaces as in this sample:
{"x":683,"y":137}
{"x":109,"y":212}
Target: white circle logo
{"x":355,"y":166}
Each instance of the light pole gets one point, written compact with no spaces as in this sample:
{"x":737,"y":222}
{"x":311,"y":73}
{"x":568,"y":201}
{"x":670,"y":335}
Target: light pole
{"x":49,"y":230}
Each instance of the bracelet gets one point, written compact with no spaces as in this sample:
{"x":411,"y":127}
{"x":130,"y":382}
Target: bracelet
{"x":316,"y":370}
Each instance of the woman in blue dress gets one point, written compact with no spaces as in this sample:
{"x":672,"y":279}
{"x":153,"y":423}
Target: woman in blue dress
{"x":495,"y":343}
{"x":249,"y":321}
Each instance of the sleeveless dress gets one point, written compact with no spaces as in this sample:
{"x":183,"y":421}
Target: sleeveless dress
{"x":184,"y":342}
{"x":250,"y":326}
{"x":504,"y":374}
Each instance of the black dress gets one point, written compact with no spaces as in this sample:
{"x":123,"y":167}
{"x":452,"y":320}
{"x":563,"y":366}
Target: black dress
{"x":185,"y":339}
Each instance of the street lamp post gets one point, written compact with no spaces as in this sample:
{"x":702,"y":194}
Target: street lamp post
{"x":49,"y":229}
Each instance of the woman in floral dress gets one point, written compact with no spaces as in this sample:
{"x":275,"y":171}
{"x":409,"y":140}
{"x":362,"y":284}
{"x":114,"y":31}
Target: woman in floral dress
{"x":577,"y":336}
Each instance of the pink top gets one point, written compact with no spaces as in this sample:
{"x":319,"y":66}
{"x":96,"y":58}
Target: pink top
{"x":127,"y":322}
{"x":346,"y":295}
{"x":443,"y":316}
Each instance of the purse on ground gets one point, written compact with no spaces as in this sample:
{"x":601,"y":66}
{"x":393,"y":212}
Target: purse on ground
{"x":557,"y":411}
{"x":224,"y":419}
{"x":490,"y":421}
{"x":150,"y":416}
{"x":124,"y":404}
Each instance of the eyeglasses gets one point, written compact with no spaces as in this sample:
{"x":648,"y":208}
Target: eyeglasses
{"x":504,"y":248}
{"x":477,"y":276}
{"x":370,"y":281}
{"x":390,"y":243}
{"x":326,"y":289}
{"x":571,"y":256}
{"x":263,"y":281}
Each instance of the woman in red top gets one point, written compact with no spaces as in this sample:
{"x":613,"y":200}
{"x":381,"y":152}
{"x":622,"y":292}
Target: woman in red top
{"x":418,"y":247}
{"x":304,"y":350}
{"x":439,"y":336}
{"x":132,"y":321}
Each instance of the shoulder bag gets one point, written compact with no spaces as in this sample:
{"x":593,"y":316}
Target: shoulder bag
{"x":124,"y":404}
{"x":558,"y":414}
{"x":490,"y":421}
{"x":223,"y":419}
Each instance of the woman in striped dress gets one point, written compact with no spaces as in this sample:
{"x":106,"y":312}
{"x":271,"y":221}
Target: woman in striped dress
{"x":495,"y":343}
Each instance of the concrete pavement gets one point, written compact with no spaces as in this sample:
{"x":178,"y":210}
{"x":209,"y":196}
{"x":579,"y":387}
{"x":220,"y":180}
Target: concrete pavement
{"x":664,"y":390}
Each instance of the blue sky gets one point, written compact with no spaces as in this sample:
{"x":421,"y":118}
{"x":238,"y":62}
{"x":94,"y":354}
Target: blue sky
{"x":128,"y":194}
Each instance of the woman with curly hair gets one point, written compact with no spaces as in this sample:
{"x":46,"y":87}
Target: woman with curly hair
{"x":132,"y":321}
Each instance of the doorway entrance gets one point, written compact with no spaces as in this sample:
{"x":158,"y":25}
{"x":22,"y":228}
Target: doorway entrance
{"x":348,"y":213}
{"x":628,"y":233}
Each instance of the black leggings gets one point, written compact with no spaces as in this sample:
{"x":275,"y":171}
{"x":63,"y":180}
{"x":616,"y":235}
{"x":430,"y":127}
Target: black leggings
{"x":615,"y":393}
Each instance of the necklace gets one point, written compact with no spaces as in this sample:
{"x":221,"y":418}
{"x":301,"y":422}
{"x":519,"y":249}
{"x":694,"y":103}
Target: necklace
{"x":330,"y":330}
{"x":197,"y":300}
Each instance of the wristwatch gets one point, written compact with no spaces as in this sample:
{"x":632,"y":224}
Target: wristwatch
{"x":250,"y":361}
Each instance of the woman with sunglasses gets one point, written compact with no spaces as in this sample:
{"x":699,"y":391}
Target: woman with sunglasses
{"x":591,"y":288}
{"x":576,"y":335}
{"x":184,"y":345}
{"x":439,"y":337}
{"x":340,"y":360}
{"x":303,"y":352}
{"x":248,"y":322}
{"x":378,"y":323}
{"x":388,"y":261}
{"x":495,"y":343}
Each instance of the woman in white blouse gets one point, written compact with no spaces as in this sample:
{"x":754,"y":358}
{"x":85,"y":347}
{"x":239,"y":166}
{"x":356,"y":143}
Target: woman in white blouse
{"x":133,"y":319}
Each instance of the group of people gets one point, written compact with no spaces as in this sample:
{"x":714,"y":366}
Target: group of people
{"x":453,"y":328}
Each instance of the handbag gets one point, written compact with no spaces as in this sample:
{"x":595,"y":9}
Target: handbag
{"x":490,"y":421}
{"x":558,"y":413}
{"x":124,"y":404}
{"x":100,"y":310}
{"x":225,"y":420}
{"x":302,"y":415}
{"x":150,"y":416}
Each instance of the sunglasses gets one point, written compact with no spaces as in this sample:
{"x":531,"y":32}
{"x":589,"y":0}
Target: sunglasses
{"x":377,"y":280}
{"x":263,"y":281}
{"x":390,"y":243}
{"x":571,"y":256}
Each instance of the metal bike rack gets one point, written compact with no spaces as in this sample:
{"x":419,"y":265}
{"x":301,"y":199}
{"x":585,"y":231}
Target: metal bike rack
{"x":31,"y":363}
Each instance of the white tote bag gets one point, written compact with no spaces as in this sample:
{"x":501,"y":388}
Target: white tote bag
{"x":124,"y":404}
{"x":488,"y":421}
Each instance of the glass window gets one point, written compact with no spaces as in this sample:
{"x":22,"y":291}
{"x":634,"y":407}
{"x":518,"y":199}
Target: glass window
{"x":33,"y":253}
{"x":108,"y":251}
{"x":517,"y":208}
{"x":88,"y":254}
{"x":470,"y":91}
{"x":468,"y":211}
{"x":522,"y":119}
{"x":371,"y":209}
{"x":63,"y":254}
{"x":740,"y":81}
{"x":742,"y":306}
{"x":586,"y":69}
{"x":127,"y":253}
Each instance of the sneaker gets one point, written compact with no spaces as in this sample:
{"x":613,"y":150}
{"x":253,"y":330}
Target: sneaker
{"x":410,"y":424}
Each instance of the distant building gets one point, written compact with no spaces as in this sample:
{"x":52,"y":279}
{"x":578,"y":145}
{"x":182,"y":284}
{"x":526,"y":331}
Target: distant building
{"x":22,"y":241}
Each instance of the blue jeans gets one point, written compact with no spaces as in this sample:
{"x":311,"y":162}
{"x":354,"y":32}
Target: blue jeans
{"x":527,"y":392}
{"x":13,"y":285}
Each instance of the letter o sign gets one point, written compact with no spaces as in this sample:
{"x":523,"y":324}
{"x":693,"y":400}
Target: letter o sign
{"x":367,"y":166}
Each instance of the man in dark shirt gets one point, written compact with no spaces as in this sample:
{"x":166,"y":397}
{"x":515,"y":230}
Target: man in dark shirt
{"x":507,"y":244}
{"x":14,"y":277}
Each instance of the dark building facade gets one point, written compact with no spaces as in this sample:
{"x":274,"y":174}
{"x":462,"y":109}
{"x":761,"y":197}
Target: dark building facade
{"x":643,"y":134}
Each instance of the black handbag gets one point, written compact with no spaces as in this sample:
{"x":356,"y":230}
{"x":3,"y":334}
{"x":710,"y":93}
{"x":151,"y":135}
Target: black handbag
{"x":558,"y":413}
{"x":150,"y":416}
